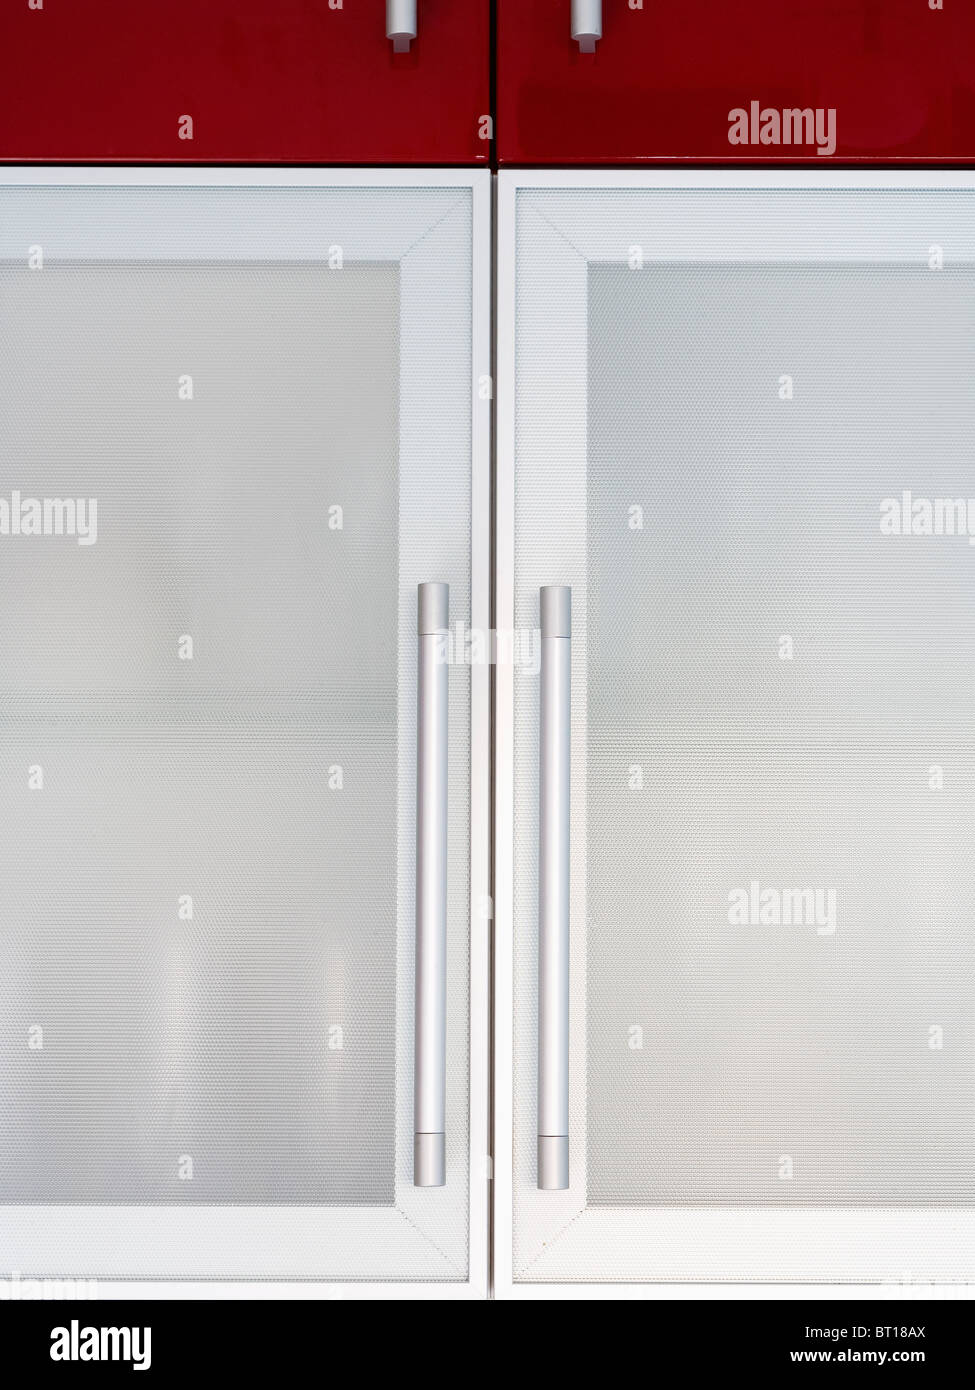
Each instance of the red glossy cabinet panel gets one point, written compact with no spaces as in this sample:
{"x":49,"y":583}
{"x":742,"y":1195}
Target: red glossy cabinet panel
{"x":265,"y":81}
{"x":664,"y":79}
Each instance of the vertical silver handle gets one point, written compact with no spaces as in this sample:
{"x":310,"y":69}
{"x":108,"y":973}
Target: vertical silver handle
{"x":555,"y":603}
{"x":401,"y":24}
{"x":587,"y":23}
{"x":430,"y":1069}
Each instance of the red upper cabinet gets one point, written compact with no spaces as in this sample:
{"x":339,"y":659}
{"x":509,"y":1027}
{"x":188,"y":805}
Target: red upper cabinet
{"x":666,"y":76}
{"x":264,"y":81}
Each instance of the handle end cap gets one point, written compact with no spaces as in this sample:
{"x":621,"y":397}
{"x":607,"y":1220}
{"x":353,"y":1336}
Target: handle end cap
{"x":433,"y":607}
{"x":553,"y":1162}
{"x":555,"y":608}
{"x":429,"y":1160}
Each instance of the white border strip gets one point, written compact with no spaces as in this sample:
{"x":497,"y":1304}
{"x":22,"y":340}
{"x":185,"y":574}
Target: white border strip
{"x":196,"y":176}
{"x":481,"y":1186}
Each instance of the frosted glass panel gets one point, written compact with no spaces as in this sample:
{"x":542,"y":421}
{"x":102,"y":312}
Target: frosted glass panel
{"x":198,"y":954}
{"x":781,"y":765}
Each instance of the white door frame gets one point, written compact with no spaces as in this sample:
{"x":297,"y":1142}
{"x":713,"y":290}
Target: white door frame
{"x":574,"y":1226}
{"x":391,"y":243}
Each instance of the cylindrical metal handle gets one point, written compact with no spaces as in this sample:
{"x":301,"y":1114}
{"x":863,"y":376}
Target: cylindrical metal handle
{"x":587,"y":23}
{"x":553,"y":889}
{"x":430,"y":1070}
{"x":401,"y":24}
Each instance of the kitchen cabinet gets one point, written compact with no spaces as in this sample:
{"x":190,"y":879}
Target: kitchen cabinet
{"x":736,"y":776}
{"x":245,"y":482}
{"x":662,"y":81}
{"x":245,"y":81}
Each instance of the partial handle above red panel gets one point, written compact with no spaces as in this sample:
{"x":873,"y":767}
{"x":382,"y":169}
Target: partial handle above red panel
{"x":244,"y":81}
{"x":736,"y":81}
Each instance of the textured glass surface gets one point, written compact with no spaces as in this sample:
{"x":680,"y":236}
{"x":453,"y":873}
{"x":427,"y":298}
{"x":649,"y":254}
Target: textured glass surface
{"x":198,"y":907}
{"x":780,"y":884}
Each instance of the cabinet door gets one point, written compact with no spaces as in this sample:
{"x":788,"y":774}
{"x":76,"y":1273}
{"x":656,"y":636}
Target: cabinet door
{"x":239,"y":431}
{"x":736,"y":787}
{"x":250,"y":81}
{"x":898,"y":76}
